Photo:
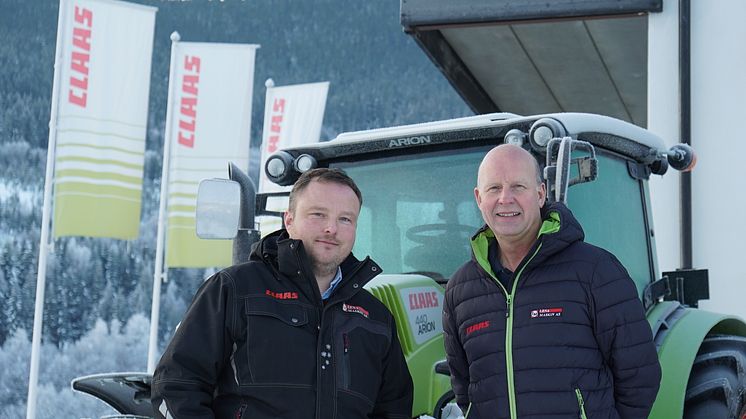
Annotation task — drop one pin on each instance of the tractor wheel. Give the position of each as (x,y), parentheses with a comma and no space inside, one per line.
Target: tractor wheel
(717,383)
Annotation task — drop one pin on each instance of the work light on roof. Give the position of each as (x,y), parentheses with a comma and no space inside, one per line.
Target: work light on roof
(304,163)
(544,130)
(278,167)
(515,137)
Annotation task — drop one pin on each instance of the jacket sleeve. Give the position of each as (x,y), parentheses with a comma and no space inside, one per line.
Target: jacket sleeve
(396,394)
(188,371)
(455,355)
(625,339)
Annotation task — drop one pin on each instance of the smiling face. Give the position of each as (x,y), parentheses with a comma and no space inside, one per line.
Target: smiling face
(324,217)
(510,196)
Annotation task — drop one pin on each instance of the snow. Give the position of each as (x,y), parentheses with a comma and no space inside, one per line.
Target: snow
(26,197)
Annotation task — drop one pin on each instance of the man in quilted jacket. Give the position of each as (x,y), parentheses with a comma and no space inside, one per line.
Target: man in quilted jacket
(540,324)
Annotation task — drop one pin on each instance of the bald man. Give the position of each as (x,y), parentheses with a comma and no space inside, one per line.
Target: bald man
(540,324)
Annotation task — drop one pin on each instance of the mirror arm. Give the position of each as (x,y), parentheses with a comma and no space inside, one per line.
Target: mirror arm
(247,234)
(248,196)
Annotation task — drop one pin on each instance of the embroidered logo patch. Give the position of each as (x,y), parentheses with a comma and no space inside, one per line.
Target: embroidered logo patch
(478,326)
(282,295)
(547,312)
(355,309)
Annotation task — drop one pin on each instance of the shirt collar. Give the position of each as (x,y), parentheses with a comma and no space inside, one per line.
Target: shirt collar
(337,279)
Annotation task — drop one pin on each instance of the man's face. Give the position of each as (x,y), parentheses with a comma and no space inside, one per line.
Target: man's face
(509,195)
(325,219)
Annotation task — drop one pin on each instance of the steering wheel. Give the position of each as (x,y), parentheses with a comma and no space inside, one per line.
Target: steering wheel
(425,233)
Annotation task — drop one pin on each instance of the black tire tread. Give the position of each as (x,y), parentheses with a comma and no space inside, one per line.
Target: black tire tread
(717,382)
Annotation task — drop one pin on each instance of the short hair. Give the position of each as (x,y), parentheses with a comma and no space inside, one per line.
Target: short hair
(322,174)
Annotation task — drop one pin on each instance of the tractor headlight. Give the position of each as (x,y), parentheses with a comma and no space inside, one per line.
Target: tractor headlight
(304,163)
(515,137)
(544,130)
(279,167)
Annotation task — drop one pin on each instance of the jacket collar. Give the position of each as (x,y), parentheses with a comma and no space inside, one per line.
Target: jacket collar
(558,230)
(289,258)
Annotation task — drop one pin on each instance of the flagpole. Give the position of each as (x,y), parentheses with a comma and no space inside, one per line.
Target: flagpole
(44,243)
(159,273)
(261,185)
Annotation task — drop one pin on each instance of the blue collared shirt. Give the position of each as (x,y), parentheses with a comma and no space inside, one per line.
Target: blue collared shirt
(337,279)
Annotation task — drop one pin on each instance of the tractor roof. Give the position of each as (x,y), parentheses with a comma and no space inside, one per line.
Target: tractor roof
(602,131)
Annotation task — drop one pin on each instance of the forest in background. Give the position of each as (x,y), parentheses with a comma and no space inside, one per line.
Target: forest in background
(98,292)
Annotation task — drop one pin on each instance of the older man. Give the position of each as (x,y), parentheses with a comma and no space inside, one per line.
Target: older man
(292,333)
(540,324)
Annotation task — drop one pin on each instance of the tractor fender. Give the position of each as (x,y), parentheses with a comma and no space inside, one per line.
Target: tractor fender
(678,332)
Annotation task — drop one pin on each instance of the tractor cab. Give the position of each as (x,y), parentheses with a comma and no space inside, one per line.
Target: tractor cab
(419,212)
(418,208)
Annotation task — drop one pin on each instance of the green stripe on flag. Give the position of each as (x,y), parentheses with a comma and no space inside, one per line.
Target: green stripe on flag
(101,161)
(90,118)
(96,216)
(183,208)
(101,147)
(98,176)
(185,250)
(88,189)
(181,221)
(101,134)
(183,195)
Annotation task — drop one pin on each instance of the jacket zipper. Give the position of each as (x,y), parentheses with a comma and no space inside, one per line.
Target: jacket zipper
(346,364)
(510,299)
(319,342)
(581,403)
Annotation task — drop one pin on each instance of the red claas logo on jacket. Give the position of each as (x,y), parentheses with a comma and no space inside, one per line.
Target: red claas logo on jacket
(282,295)
(478,326)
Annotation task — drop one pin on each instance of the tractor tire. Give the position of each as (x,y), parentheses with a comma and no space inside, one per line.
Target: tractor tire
(717,383)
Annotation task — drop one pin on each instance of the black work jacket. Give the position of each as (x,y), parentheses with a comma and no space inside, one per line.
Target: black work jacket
(569,339)
(259,342)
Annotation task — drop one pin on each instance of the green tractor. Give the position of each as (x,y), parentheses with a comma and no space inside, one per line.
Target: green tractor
(419,213)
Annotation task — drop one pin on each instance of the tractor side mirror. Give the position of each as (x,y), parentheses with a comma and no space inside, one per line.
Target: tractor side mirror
(218,209)
(559,162)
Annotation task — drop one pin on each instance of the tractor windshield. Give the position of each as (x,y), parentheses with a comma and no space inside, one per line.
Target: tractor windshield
(419,212)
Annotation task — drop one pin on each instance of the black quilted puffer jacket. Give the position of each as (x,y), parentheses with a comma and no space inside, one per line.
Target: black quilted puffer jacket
(568,340)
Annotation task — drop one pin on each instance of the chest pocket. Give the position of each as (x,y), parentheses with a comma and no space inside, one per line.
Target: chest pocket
(361,344)
(280,342)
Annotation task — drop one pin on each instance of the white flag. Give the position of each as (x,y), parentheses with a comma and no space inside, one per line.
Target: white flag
(103,88)
(210,126)
(292,116)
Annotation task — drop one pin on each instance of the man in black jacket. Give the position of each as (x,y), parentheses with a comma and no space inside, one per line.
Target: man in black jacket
(291,333)
(540,324)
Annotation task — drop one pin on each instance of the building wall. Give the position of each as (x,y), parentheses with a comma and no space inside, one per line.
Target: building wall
(718,84)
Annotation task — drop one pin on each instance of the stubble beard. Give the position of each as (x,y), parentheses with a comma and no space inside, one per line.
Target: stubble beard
(325,268)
